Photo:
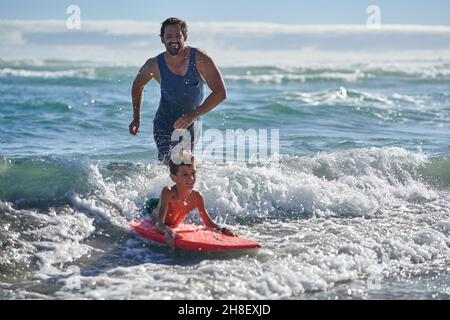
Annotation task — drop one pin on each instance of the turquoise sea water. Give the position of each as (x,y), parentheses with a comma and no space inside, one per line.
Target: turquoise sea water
(359,207)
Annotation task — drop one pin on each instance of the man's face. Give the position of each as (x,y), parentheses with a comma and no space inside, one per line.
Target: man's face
(173,39)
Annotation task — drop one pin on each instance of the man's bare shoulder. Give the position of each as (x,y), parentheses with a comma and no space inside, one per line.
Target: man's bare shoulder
(206,66)
(148,72)
(150,65)
(203,57)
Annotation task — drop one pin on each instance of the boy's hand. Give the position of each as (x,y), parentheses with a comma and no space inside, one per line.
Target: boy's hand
(227,232)
(171,236)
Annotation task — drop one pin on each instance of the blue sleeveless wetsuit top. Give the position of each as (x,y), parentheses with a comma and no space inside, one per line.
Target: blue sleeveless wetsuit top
(180,95)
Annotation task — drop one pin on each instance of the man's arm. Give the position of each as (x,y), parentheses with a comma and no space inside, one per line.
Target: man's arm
(214,80)
(143,77)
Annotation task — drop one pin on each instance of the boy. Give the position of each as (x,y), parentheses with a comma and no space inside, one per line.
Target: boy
(179,200)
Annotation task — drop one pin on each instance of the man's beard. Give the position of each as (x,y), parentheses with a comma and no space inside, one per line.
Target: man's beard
(174,50)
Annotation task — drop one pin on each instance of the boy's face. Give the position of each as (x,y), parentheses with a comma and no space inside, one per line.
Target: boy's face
(186,176)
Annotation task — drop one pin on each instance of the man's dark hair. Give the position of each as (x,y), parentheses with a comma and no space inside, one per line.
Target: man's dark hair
(174,21)
(183,159)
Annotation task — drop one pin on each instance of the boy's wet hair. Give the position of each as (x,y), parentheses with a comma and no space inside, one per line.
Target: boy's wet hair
(183,158)
(174,21)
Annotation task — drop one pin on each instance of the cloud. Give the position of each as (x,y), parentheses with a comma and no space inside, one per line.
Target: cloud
(11,38)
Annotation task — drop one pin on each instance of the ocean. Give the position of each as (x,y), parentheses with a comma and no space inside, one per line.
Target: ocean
(358,207)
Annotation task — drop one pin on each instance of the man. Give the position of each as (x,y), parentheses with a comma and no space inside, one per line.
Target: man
(182,72)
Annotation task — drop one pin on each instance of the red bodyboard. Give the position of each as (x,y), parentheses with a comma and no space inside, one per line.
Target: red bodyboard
(195,238)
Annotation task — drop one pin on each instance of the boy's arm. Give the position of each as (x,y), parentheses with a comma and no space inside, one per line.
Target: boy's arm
(169,234)
(207,219)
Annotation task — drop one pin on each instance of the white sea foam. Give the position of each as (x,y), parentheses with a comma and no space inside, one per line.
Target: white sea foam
(351,76)
(23,73)
(346,183)
(48,241)
(361,99)
(368,178)
(299,256)
(323,219)
(16,253)
(60,239)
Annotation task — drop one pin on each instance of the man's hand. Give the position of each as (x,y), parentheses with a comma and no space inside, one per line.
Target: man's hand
(184,122)
(134,126)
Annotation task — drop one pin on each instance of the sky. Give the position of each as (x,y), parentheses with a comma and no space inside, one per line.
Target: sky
(430,12)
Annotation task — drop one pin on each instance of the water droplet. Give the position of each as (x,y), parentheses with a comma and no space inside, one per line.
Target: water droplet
(92,101)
